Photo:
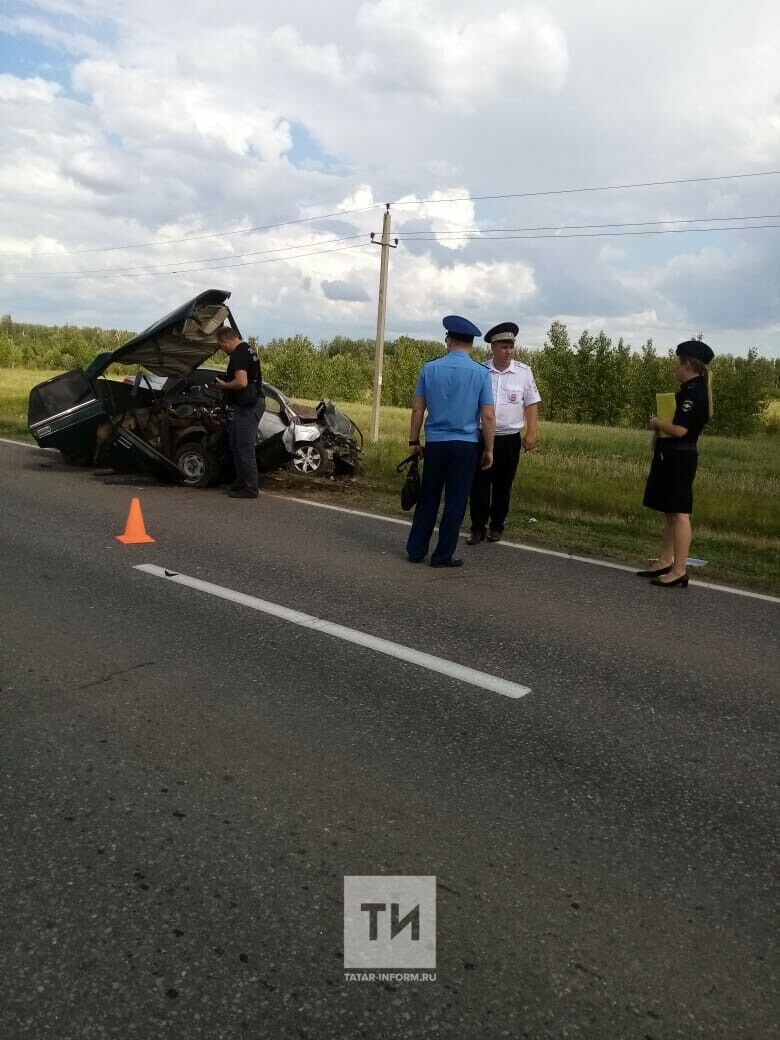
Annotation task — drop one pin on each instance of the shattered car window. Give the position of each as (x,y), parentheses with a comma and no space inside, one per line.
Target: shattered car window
(58,396)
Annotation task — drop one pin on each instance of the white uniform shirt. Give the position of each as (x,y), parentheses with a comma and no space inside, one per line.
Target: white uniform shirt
(513,390)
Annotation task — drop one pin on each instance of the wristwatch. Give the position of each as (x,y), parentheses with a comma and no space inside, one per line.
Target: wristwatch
(414,444)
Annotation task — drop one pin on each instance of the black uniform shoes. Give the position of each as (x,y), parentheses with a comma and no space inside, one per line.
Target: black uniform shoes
(480,535)
(682,582)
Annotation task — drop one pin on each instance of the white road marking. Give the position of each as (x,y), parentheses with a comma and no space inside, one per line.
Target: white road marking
(506,545)
(340,509)
(734,592)
(349,635)
(520,545)
(27,444)
(22,444)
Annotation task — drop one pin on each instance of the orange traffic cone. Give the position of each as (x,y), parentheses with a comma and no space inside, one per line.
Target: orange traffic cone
(135,532)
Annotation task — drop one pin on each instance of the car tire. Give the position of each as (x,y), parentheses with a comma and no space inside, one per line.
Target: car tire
(309,458)
(199,468)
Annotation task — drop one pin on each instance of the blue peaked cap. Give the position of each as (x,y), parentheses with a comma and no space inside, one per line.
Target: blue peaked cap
(460,328)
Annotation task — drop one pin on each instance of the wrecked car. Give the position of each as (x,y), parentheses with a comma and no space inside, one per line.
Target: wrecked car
(314,441)
(170,419)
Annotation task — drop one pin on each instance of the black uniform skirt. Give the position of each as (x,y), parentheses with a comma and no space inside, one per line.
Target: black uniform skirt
(669,486)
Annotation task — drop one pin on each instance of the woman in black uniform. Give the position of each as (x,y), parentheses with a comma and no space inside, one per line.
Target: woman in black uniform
(670,483)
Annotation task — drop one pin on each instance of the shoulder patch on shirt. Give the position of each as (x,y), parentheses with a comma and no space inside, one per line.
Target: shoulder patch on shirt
(687,406)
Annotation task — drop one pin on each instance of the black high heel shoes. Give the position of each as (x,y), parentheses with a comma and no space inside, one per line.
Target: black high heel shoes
(654,574)
(682,582)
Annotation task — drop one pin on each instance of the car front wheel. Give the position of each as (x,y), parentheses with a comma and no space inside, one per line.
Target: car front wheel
(198,467)
(309,459)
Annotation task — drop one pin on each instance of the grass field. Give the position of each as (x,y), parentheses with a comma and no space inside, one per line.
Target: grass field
(583,489)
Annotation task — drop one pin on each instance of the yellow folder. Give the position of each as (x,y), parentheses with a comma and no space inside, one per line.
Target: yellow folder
(665,407)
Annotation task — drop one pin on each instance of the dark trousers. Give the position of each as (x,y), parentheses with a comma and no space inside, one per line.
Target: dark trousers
(492,487)
(448,468)
(243,441)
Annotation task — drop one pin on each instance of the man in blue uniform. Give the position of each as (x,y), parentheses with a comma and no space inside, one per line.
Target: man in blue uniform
(457,394)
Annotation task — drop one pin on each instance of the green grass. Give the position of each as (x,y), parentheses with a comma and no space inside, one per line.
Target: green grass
(15,386)
(583,488)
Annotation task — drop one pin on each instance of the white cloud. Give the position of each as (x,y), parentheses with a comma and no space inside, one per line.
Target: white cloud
(43,30)
(611,254)
(94,170)
(438,215)
(423,291)
(701,284)
(344,291)
(15,90)
(160,110)
(170,128)
(361,197)
(318,61)
(433,49)
(12,244)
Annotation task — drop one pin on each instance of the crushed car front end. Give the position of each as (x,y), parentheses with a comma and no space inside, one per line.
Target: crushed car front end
(341,437)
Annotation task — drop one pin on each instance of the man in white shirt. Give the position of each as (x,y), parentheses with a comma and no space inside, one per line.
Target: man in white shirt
(517,422)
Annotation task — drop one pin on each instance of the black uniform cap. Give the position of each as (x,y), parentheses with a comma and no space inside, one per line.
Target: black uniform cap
(503,327)
(694,348)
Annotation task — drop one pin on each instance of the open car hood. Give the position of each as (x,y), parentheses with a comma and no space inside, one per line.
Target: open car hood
(179,342)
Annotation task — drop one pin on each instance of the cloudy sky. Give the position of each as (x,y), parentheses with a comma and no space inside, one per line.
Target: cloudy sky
(162,126)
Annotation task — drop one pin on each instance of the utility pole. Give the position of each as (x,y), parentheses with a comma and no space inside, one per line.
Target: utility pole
(379,353)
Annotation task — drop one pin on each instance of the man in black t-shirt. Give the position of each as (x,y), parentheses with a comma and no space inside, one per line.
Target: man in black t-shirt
(243,389)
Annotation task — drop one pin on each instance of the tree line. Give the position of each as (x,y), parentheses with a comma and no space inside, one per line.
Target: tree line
(593,380)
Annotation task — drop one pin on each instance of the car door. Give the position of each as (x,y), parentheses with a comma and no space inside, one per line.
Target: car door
(273,432)
(65,413)
(127,452)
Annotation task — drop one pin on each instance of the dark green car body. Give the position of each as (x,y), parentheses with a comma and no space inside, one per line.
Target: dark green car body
(91,419)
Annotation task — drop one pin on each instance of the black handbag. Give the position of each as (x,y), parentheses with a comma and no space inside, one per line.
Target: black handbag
(410,490)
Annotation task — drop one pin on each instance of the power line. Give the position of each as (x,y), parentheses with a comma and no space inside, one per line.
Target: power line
(202,260)
(277,259)
(410,237)
(407,202)
(204,270)
(200,238)
(599,234)
(577,191)
(478,232)
(464,234)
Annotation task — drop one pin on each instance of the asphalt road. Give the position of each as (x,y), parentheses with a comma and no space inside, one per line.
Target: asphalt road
(185,782)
